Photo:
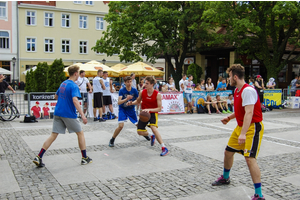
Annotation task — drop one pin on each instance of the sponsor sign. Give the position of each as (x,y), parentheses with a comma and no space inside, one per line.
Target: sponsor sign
(272,97)
(172,103)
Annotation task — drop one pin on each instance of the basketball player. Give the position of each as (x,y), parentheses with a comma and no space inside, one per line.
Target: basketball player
(151,103)
(127,93)
(246,137)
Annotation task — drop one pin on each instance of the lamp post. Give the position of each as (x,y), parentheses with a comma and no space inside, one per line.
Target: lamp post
(103,61)
(14,70)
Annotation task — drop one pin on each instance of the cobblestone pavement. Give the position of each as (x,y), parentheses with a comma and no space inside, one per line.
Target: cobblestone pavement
(40,183)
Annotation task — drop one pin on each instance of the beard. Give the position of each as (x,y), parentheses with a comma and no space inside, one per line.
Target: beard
(233,83)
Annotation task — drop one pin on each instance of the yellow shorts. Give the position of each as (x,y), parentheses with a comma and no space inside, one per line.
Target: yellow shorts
(253,140)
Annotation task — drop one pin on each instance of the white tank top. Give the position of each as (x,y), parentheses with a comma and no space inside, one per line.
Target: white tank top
(106,92)
(96,85)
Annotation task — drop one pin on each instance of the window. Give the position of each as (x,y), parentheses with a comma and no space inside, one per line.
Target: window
(98,52)
(48,19)
(30,16)
(77,2)
(89,3)
(99,23)
(4,40)
(2,9)
(48,45)
(30,44)
(82,47)
(82,21)
(65,46)
(65,20)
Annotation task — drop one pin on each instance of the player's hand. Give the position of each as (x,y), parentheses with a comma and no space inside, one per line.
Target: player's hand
(242,139)
(84,119)
(146,110)
(129,97)
(225,120)
(91,91)
(129,103)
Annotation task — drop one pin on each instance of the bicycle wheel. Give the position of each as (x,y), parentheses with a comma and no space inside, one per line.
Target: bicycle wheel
(6,112)
(15,112)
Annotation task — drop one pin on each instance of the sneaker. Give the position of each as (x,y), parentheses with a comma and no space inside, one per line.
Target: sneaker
(105,117)
(102,120)
(192,111)
(164,152)
(224,112)
(152,140)
(38,161)
(95,119)
(113,116)
(188,112)
(147,138)
(221,181)
(111,144)
(86,160)
(228,111)
(218,112)
(209,113)
(256,197)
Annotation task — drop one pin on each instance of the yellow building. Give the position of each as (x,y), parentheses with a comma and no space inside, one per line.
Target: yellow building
(60,29)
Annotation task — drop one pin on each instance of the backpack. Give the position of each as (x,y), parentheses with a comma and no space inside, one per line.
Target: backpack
(29,119)
(200,109)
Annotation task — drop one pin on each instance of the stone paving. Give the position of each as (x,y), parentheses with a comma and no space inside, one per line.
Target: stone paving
(134,170)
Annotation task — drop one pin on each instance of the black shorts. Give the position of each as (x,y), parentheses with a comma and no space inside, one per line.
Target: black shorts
(107,100)
(98,101)
(152,122)
(212,109)
(261,97)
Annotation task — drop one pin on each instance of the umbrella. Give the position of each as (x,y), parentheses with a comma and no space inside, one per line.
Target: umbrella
(4,71)
(117,67)
(27,70)
(140,69)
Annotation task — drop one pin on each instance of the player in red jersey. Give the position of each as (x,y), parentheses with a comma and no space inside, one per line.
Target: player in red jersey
(151,103)
(246,137)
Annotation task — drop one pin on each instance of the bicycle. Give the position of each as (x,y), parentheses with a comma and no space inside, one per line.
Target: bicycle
(8,110)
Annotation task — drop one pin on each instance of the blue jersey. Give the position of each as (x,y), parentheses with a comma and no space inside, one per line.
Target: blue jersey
(124,92)
(221,85)
(65,106)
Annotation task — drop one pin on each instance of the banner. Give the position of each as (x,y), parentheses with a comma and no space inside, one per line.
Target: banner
(272,97)
(172,103)
(199,97)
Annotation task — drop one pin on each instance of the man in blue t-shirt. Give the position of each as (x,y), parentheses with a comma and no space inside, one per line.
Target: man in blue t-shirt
(127,93)
(65,116)
(221,85)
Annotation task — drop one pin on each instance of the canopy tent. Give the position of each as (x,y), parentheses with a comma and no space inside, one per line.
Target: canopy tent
(140,69)
(27,70)
(118,67)
(92,67)
(4,71)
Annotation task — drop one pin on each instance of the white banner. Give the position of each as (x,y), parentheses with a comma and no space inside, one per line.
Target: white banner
(172,103)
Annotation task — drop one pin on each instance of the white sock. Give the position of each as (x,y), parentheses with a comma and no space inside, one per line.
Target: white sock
(162,145)
(150,134)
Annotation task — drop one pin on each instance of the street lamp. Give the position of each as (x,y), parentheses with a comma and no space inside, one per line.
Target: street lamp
(103,61)
(13,60)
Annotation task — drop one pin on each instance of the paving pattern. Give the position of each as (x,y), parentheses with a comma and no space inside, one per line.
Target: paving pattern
(134,170)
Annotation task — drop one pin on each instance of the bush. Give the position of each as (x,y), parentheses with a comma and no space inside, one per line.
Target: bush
(29,81)
(196,71)
(40,77)
(55,75)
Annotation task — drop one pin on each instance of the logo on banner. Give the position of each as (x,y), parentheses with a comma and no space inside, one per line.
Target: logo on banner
(174,106)
(170,97)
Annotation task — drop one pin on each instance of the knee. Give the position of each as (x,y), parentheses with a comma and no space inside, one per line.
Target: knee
(121,126)
(250,160)
(228,154)
(141,132)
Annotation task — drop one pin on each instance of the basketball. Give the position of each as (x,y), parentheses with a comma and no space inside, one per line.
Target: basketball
(144,116)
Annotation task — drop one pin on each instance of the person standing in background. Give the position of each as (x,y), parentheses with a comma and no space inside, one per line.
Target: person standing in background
(259,86)
(293,85)
(82,82)
(98,87)
(181,85)
(133,84)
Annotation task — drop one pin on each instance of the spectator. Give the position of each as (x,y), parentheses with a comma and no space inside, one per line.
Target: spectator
(229,87)
(251,81)
(259,86)
(222,105)
(82,82)
(156,85)
(298,87)
(171,84)
(209,85)
(210,106)
(230,102)
(141,85)
(222,85)
(219,80)
(188,93)
(164,87)
(133,83)
(198,87)
(293,85)
(271,84)
(181,85)
(4,85)
(202,84)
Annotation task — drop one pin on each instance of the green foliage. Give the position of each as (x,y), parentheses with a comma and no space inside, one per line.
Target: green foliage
(55,75)
(40,77)
(253,25)
(196,71)
(29,81)
(168,29)
(239,61)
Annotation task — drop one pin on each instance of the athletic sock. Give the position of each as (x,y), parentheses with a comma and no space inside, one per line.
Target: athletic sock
(226,173)
(112,140)
(162,145)
(83,153)
(42,152)
(150,134)
(257,187)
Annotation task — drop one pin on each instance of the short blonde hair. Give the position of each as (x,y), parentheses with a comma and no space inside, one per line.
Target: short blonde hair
(73,69)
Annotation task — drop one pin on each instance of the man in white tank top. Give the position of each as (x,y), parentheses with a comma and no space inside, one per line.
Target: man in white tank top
(82,81)
(98,87)
(107,96)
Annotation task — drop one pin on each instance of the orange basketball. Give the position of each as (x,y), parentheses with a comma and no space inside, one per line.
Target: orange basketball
(144,116)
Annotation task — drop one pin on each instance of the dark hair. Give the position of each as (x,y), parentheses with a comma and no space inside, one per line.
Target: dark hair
(105,72)
(190,75)
(183,75)
(127,78)
(73,69)
(207,81)
(100,70)
(198,84)
(217,96)
(81,71)
(132,74)
(229,95)
(201,80)
(223,79)
(236,69)
(150,79)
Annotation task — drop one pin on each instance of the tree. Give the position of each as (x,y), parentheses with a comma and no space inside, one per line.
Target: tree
(260,29)
(29,81)
(40,77)
(168,29)
(55,75)
(196,71)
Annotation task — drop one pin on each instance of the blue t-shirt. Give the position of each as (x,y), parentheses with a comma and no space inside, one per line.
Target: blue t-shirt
(221,85)
(65,106)
(124,92)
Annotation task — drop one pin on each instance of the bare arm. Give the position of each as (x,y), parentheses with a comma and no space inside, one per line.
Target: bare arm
(137,101)
(78,107)
(111,88)
(182,86)
(120,101)
(263,85)
(102,84)
(246,123)
(9,87)
(90,87)
(257,85)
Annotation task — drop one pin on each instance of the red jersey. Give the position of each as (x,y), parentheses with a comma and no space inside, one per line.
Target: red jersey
(239,109)
(46,111)
(149,102)
(36,111)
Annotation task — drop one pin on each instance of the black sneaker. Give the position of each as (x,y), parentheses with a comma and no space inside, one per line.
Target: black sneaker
(221,181)
(85,161)
(192,111)
(188,112)
(95,119)
(38,161)
(102,120)
(111,144)
(147,138)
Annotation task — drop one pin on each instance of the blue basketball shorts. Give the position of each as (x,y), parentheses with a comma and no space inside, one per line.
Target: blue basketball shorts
(125,114)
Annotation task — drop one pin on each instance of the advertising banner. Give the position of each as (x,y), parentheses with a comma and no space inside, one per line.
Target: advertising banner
(199,97)
(172,103)
(272,97)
